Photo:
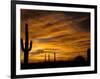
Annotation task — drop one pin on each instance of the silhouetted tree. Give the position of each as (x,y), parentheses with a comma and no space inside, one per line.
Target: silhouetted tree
(79,60)
(26,48)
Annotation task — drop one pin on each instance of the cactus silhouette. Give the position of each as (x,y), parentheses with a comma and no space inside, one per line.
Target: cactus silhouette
(45,57)
(48,58)
(88,56)
(54,57)
(25,48)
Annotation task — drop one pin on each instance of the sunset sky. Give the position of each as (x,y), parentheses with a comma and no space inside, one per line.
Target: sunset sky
(65,33)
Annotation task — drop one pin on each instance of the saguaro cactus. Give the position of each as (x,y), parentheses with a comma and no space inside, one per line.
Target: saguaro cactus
(45,57)
(48,58)
(26,48)
(88,56)
(54,57)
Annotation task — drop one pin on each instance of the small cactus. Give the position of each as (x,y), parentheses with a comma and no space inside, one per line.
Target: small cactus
(54,57)
(88,56)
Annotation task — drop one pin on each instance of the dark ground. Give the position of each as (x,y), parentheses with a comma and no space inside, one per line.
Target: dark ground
(76,63)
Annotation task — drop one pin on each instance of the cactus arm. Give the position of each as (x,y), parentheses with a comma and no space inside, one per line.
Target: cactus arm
(30,46)
(22,45)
